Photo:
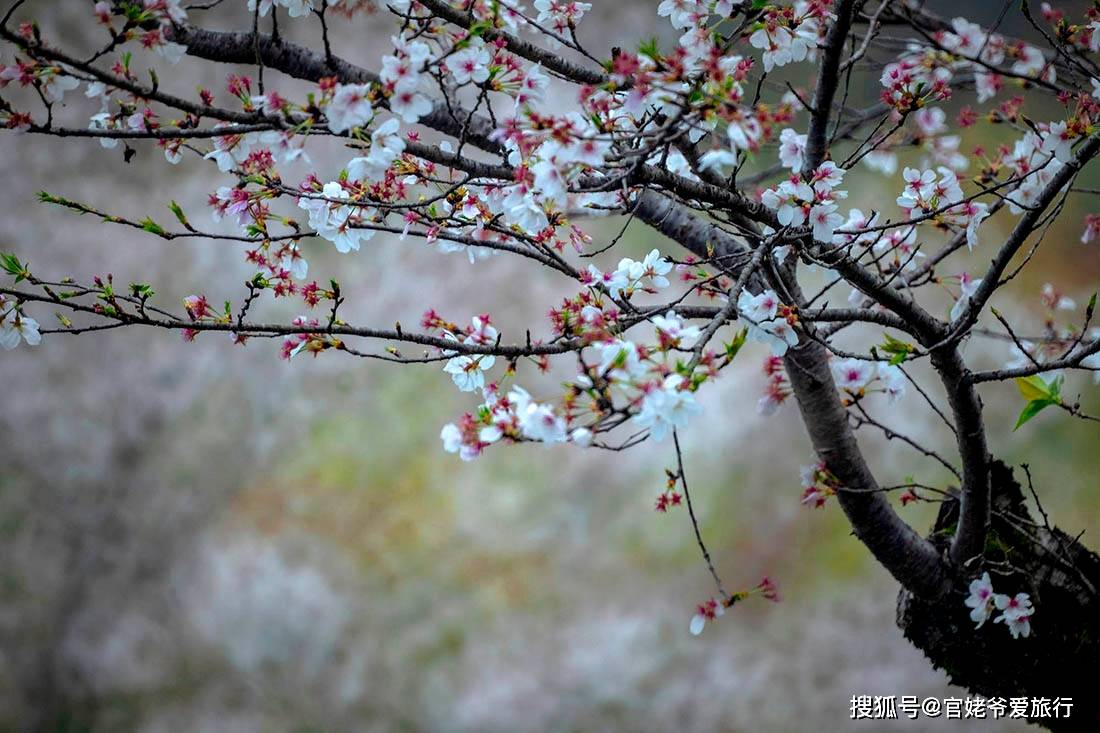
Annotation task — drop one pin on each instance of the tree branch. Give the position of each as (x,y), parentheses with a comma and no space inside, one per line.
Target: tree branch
(817,137)
(301,63)
(518,46)
(1027,224)
(912,560)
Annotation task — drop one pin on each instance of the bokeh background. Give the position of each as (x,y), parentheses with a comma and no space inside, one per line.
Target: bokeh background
(204,537)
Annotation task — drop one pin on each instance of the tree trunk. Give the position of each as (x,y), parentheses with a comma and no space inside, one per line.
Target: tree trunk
(1060,657)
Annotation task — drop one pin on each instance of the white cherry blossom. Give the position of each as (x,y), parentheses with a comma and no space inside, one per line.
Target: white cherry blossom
(667,407)
(1017,612)
(350,107)
(470,64)
(14,326)
(981,599)
(672,327)
(853,374)
(792,146)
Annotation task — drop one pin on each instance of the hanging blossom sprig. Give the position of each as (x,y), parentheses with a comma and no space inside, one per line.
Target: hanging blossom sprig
(713,609)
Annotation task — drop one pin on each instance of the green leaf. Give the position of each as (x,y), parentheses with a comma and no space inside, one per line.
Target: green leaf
(153,228)
(899,350)
(48,198)
(139,290)
(133,12)
(1056,389)
(650,47)
(1032,409)
(10,263)
(479,28)
(1039,394)
(734,346)
(892,345)
(1033,387)
(180,217)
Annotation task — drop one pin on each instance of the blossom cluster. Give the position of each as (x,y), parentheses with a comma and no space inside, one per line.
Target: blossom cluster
(1016,611)
(647,275)
(468,370)
(938,194)
(790,34)
(778,388)
(925,73)
(651,384)
(629,380)
(145,23)
(798,202)
(818,484)
(855,376)
(768,321)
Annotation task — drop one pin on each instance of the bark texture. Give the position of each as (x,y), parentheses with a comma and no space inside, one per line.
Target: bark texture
(1023,554)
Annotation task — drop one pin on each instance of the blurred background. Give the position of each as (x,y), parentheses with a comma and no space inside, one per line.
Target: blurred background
(205,537)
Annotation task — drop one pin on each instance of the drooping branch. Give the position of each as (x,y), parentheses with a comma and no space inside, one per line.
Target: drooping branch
(135,317)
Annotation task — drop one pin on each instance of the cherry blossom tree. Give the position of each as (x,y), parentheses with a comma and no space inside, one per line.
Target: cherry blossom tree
(486,128)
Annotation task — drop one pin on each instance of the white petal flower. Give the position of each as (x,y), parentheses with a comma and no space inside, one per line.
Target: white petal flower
(853,374)
(410,105)
(350,107)
(981,599)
